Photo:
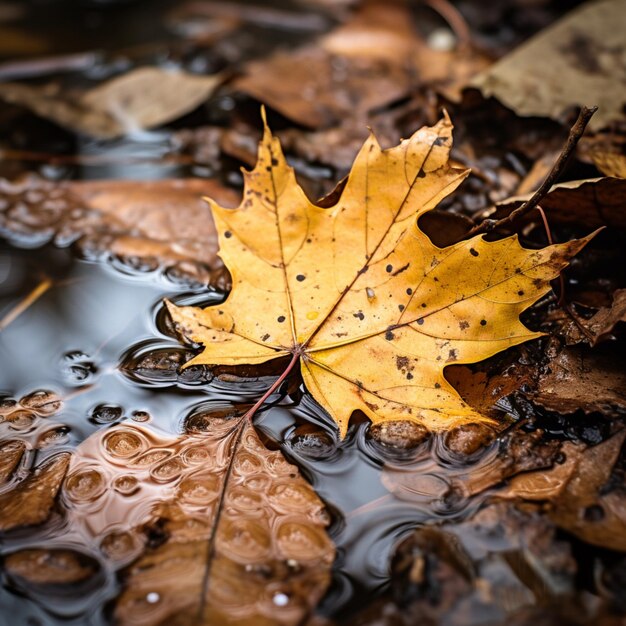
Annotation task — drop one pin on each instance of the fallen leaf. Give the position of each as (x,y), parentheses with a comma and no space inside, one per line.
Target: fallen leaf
(545,484)
(579,380)
(358,294)
(30,501)
(496,567)
(484,384)
(610,163)
(28,495)
(49,567)
(240,536)
(427,482)
(600,326)
(588,203)
(10,455)
(374,59)
(143,98)
(578,61)
(590,508)
(165,222)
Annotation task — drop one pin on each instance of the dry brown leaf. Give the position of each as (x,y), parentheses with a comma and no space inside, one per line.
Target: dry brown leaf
(581,60)
(602,324)
(591,203)
(244,536)
(371,61)
(545,484)
(600,327)
(360,297)
(143,98)
(610,163)
(504,565)
(587,507)
(49,567)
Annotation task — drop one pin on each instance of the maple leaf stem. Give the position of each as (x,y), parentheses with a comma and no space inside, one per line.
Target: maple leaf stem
(274,386)
(575,133)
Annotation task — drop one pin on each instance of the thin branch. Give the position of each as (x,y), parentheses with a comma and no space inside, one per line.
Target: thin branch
(575,133)
(25,303)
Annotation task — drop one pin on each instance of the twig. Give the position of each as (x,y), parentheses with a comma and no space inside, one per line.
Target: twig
(575,133)
(26,302)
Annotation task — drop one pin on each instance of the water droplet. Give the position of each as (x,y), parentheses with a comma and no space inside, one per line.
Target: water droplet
(126,485)
(43,402)
(77,368)
(200,489)
(21,420)
(244,499)
(311,442)
(246,463)
(168,470)
(123,443)
(120,546)
(195,454)
(280,599)
(106,414)
(302,542)
(7,405)
(85,486)
(291,496)
(244,539)
(140,416)
(53,436)
(216,420)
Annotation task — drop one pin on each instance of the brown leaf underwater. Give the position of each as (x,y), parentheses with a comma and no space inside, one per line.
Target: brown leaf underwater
(208,527)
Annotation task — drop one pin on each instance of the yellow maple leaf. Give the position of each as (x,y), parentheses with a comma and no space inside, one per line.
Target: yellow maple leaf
(358,294)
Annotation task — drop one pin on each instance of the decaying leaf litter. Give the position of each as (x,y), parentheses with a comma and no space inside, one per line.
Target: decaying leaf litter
(533,475)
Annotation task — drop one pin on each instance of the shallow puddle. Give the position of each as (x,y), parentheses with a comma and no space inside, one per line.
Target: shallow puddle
(93,334)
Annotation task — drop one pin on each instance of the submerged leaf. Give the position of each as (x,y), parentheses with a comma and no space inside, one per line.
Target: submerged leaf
(225,530)
(372,307)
